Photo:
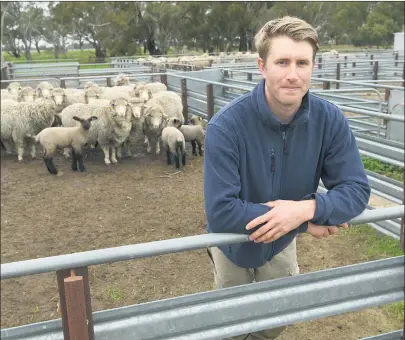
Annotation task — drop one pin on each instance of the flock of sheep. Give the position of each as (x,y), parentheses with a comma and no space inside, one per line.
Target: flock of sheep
(108,117)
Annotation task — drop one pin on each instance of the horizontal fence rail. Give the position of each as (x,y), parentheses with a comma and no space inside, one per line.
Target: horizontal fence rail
(243,309)
(396,335)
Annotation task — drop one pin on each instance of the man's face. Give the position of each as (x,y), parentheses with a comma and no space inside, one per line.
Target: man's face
(288,70)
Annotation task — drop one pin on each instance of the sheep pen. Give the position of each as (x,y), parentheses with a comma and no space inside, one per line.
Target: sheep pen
(139,200)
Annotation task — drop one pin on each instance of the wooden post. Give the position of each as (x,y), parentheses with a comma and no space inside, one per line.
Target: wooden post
(71,289)
(396,59)
(320,62)
(184,100)
(163,79)
(353,65)
(338,75)
(63,83)
(210,101)
(345,61)
(249,77)
(109,83)
(386,98)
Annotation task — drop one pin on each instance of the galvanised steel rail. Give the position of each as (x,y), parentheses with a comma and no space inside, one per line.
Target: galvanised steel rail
(243,309)
(130,252)
(396,335)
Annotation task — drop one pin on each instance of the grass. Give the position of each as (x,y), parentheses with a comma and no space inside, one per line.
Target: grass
(391,171)
(114,293)
(375,246)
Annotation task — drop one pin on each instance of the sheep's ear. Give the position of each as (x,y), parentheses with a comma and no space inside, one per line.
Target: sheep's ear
(93,118)
(77,118)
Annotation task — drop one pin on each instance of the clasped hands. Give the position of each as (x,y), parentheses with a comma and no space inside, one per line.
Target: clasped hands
(285,216)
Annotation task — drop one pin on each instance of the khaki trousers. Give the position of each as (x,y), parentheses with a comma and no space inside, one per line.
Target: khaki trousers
(227,274)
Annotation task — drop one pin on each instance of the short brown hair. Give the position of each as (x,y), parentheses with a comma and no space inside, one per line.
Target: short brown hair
(292,27)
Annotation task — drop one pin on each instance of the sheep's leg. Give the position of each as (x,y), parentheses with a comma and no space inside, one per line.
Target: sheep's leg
(8,145)
(48,159)
(74,160)
(127,148)
(158,146)
(113,158)
(79,159)
(33,151)
(146,142)
(20,151)
(106,150)
(183,157)
(193,144)
(148,146)
(118,151)
(169,156)
(199,147)
(177,160)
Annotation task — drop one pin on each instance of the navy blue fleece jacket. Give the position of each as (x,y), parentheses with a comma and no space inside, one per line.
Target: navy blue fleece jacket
(251,158)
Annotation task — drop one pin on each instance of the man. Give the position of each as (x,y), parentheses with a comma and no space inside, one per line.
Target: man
(265,153)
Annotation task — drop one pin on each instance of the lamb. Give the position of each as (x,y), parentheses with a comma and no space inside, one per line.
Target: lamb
(110,130)
(192,133)
(13,88)
(26,94)
(44,89)
(174,143)
(61,137)
(23,120)
(154,121)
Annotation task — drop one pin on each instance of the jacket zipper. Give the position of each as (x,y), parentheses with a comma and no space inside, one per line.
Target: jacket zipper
(273,169)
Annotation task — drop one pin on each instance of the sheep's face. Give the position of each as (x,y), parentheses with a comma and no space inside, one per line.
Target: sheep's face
(14,89)
(136,109)
(91,95)
(175,122)
(85,122)
(27,95)
(122,108)
(142,93)
(154,117)
(59,98)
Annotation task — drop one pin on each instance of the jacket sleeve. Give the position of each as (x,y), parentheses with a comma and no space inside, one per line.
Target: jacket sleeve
(225,211)
(343,176)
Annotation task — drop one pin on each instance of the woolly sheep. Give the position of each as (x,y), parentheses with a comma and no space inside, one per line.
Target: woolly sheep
(27,94)
(174,143)
(106,93)
(44,89)
(121,80)
(66,97)
(5,95)
(61,137)
(13,88)
(192,133)
(153,123)
(141,90)
(110,130)
(24,120)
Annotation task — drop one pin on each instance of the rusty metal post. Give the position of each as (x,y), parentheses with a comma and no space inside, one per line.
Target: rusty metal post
(249,77)
(319,62)
(386,98)
(210,101)
(326,85)
(163,79)
(80,292)
(338,75)
(184,100)
(63,83)
(375,71)
(371,58)
(345,61)
(354,65)
(396,59)
(109,82)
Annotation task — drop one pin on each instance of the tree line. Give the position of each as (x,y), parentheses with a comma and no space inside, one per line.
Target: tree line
(129,28)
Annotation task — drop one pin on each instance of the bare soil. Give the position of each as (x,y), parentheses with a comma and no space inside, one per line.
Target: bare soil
(135,201)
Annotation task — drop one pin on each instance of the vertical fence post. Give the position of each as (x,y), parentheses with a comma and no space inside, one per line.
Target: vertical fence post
(326,85)
(338,75)
(396,59)
(386,98)
(375,71)
(75,304)
(163,79)
(63,83)
(249,77)
(319,62)
(109,82)
(184,99)
(210,101)
(354,66)
(345,61)
(371,58)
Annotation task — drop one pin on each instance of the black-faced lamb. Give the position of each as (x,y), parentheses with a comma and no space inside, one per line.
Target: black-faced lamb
(174,143)
(75,138)
(194,134)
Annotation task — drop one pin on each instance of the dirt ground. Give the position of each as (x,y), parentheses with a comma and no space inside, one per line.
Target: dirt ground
(134,201)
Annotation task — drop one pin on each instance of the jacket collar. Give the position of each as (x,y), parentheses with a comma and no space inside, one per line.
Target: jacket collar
(268,117)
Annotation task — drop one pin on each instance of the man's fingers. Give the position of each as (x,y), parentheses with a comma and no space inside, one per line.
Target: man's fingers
(258,220)
(344,225)
(274,238)
(269,236)
(262,230)
(332,230)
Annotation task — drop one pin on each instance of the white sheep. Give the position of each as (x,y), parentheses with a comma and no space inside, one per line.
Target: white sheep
(174,143)
(154,121)
(62,137)
(13,88)
(110,130)
(44,89)
(23,120)
(145,91)
(66,97)
(194,134)
(121,80)
(27,94)
(105,93)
